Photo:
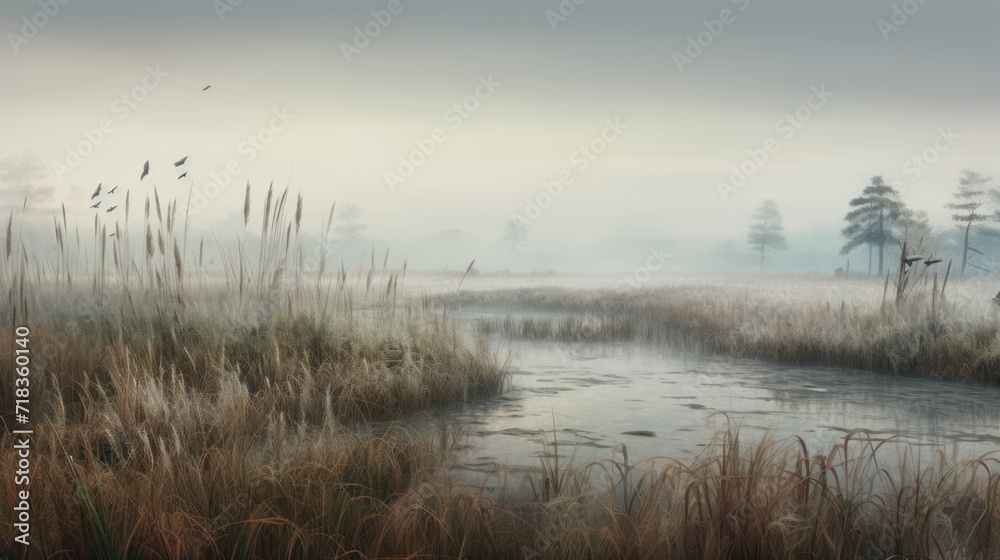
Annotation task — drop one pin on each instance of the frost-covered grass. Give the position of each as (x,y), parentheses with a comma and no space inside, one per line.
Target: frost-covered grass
(178,415)
(182,416)
(855,324)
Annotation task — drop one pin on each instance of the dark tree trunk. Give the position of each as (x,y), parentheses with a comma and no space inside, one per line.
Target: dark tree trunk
(965,247)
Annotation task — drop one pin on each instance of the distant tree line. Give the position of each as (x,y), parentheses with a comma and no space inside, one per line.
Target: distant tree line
(880,222)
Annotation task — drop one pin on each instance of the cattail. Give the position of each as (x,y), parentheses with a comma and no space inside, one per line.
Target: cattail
(201,248)
(177,262)
(127,193)
(159,241)
(267,209)
(156,198)
(147,207)
(298,214)
(8,241)
(246,206)
(149,242)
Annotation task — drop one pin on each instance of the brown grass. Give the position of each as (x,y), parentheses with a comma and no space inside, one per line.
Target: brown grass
(957,337)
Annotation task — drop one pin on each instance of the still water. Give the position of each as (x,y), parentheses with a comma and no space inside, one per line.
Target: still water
(665,403)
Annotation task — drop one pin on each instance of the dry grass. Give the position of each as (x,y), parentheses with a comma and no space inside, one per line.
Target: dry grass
(811,323)
(863,499)
(181,417)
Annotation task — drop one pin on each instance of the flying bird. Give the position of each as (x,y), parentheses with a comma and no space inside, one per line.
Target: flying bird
(112,191)
(145,170)
(181,162)
(96,205)
(205,88)
(112,208)
(183,175)
(97,192)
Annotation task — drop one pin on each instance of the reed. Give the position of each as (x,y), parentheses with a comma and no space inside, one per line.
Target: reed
(184,419)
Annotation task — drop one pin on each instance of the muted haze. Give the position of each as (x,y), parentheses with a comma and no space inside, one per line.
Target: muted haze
(554,85)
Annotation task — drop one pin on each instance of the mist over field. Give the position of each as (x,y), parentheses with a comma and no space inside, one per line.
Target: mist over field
(442,121)
(500,279)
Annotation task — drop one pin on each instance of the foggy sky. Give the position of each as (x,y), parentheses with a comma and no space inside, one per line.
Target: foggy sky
(557,89)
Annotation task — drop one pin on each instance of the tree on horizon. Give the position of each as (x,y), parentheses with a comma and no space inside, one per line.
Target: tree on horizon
(516,233)
(972,195)
(872,221)
(767,231)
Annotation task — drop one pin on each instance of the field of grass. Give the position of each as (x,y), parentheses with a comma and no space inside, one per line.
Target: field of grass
(263,415)
(853,324)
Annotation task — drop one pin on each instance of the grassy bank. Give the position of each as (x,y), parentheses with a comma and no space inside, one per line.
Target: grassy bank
(252,414)
(813,323)
(181,412)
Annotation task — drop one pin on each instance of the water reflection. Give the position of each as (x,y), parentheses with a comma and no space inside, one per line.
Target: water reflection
(589,398)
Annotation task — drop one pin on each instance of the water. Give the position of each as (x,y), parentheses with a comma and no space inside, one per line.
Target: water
(661,402)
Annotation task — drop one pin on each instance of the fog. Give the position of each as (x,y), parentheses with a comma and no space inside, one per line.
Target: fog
(614,132)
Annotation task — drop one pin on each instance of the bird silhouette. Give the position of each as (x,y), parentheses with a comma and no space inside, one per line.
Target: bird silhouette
(112,208)
(205,88)
(112,191)
(145,170)
(181,162)
(96,205)
(183,175)
(97,192)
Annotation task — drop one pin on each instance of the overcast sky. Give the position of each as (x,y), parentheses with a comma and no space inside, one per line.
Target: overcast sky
(547,84)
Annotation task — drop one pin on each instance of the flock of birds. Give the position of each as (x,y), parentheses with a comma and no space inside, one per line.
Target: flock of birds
(145,172)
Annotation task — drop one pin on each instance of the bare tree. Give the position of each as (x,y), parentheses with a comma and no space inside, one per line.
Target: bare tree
(972,195)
